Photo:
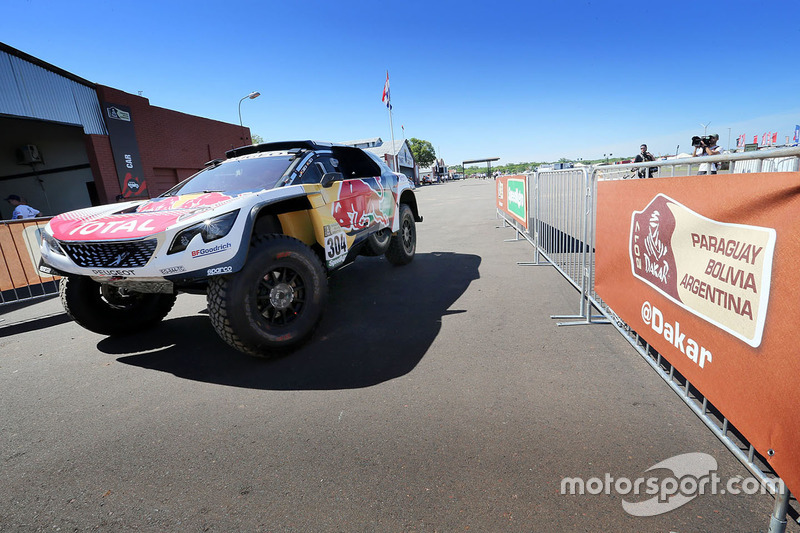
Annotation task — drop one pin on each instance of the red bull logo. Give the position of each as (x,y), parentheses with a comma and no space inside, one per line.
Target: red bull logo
(359,205)
(187,201)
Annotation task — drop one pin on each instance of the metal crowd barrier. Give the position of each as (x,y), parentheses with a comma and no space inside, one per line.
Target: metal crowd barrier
(20,278)
(561,227)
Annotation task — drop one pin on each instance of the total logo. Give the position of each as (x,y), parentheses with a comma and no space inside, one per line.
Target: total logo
(114,226)
(213,250)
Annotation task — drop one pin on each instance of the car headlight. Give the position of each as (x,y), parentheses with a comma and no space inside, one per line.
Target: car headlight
(53,244)
(210,230)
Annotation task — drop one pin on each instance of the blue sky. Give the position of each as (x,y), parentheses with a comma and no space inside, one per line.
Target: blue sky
(523,81)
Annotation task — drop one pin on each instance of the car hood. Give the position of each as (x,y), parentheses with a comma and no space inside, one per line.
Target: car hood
(134,220)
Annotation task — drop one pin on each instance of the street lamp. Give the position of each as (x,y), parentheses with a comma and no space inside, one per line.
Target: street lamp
(252,95)
(705,127)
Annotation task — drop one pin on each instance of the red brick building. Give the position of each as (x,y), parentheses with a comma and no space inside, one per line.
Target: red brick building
(60,149)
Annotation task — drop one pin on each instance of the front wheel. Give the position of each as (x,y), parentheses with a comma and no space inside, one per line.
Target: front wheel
(111,310)
(275,302)
(403,245)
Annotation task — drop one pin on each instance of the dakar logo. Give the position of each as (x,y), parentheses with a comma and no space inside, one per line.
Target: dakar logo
(118,114)
(719,271)
(655,250)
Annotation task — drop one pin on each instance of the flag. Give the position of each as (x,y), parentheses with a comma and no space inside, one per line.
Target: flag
(796,133)
(764,139)
(775,138)
(386,98)
(740,141)
(755,138)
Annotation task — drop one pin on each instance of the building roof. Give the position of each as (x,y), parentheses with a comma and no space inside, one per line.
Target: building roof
(374,141)
(382,148)
(388,148)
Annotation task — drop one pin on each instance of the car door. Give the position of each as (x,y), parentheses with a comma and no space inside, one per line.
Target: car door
(359,208)
(338,208)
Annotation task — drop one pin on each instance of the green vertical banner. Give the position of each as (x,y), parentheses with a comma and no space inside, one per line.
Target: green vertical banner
(512,197)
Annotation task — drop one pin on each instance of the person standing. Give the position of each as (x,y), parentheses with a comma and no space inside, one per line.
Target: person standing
(708,148)
(21,210)
(643,156)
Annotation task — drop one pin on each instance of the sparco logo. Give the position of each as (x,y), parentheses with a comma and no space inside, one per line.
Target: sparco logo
(220,270)
(213,250)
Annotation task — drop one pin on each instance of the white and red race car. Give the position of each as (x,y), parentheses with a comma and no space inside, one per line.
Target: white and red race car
(257,232)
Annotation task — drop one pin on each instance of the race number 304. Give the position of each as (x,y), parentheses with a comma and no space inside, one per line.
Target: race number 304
(335,246)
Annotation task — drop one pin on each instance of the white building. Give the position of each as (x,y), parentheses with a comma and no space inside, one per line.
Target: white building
(387,151)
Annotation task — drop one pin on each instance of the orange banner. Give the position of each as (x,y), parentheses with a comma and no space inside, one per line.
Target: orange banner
(19,258)
(704,268)
(512,197)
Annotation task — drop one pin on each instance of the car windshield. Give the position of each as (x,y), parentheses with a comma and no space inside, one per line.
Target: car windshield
(244,175)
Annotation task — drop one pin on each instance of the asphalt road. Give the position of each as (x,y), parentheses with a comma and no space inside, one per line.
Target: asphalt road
(438,396)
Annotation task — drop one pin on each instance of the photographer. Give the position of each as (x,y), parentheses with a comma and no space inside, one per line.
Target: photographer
(707,146)
(643,156)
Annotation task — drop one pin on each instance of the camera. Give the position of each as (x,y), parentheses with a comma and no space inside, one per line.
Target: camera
(708,140)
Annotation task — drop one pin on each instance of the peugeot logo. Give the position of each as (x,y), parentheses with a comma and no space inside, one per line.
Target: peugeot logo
(119,259)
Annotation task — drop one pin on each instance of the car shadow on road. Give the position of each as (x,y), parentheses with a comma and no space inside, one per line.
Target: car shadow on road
(379,322)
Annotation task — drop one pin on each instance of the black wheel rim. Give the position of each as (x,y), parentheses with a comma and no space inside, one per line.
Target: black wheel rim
(383,236)
(118,298)
(408,235)
(281,296)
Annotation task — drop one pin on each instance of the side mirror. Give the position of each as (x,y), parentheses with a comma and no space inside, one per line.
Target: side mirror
(330,177)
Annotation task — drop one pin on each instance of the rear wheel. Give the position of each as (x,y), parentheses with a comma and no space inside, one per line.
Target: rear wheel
(403,244)
(377,242)
(111,310)
(275,302)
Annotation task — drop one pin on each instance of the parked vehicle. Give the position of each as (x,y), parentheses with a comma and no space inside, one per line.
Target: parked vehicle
(257,232)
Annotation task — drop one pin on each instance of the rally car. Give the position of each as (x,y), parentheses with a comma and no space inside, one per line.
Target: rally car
(258,232)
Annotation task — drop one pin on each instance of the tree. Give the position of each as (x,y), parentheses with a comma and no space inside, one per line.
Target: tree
(257,139)
(422,151)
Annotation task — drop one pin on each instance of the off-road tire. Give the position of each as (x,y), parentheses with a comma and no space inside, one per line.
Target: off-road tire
(377,243)
(275,302)
(110,310)
(403,245)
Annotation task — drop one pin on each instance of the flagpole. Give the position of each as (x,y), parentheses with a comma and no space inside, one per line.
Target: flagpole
(391,127)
